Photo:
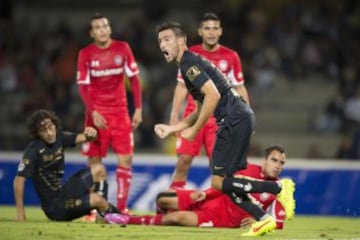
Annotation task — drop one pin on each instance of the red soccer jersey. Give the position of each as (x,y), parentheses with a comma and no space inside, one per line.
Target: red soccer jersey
(103,70)
(266,201)
(254,171)
(227,60)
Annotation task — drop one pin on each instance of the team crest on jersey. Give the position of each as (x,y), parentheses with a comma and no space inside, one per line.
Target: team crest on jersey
(192,73)
(223,65)
(118,60)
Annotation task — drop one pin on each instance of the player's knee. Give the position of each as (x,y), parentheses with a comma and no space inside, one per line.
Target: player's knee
(175,218)
(185,160)
(98,171)
(97,201)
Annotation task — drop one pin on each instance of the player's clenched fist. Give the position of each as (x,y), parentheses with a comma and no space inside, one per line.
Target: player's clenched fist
(90,133)
(162,130)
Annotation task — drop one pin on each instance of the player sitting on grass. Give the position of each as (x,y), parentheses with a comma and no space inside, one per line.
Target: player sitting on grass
(206,209)
(43,161)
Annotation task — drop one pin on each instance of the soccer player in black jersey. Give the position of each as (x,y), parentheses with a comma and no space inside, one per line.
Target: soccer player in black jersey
(235,119)
(43,161)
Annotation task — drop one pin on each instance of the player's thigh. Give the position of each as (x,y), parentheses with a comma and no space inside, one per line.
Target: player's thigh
(78,184)
(98,147)
(182,218)
(192,148)
(231,147)
(68,208)
(122,138)
(241,136)
(220,156)
(209,137)
(184,200)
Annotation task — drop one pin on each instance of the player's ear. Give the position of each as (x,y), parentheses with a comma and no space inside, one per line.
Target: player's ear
(199,32)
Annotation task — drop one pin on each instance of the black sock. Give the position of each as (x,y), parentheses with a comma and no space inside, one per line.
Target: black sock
(243,186)
(101,188)
(245,203)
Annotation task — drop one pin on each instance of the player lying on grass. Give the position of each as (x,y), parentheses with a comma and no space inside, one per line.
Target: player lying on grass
(212,208)
(43,161)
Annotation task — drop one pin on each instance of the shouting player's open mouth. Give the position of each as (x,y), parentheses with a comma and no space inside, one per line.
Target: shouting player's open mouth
(166,55)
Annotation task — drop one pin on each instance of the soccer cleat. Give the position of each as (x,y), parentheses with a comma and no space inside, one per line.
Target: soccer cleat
(91,217)
(286,197)
(261,227)
(117,218)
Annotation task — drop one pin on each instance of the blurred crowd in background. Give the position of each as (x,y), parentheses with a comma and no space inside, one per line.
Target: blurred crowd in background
(296,40)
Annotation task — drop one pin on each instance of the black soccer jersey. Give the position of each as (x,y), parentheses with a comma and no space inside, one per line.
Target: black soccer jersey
(45,165)
(196,71)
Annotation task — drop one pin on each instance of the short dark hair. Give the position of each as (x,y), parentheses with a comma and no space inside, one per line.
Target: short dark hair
(96,16)
(35,119)
(276,147)
(209,16)
(174,26)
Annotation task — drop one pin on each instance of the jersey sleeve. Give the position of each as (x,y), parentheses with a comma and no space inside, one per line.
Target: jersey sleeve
(131,67)
(235,75)
(27,164)
(82,73)
(195,74)
(68,139)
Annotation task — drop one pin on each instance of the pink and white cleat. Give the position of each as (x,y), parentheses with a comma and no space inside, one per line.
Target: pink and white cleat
(117,218)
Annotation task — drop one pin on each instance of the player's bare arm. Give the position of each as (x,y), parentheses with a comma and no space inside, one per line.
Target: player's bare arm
(89,134)
(241,90)
(137,118)
(180,93)
(211,99)
(19,186)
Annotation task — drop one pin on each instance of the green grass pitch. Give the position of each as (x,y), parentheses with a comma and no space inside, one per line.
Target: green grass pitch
(39,228)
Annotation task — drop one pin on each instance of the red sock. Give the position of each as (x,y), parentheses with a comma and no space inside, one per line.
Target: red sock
(146,220)
(178,184)
(123,179)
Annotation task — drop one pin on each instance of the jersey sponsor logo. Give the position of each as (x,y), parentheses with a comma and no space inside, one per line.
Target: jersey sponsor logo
(192,73)
(223,65)
(118,60)
(106,72)
(95,63)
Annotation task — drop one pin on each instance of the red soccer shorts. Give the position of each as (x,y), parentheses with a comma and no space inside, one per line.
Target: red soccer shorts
(118,135)
(206,137)
(217,212)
